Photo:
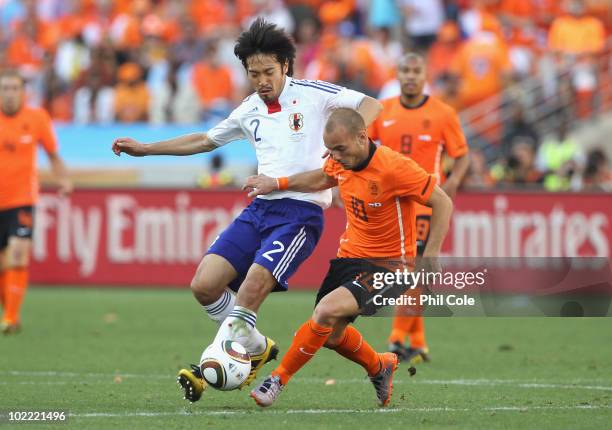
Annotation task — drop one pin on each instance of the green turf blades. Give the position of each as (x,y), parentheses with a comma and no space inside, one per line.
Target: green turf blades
(110,357)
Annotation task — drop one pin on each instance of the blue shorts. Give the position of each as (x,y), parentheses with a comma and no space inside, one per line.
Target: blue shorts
(276,234)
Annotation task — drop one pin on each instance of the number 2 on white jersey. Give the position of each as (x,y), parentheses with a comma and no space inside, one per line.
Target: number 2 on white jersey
(280,248)
(257,139)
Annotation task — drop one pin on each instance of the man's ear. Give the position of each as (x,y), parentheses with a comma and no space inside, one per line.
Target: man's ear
(285,67)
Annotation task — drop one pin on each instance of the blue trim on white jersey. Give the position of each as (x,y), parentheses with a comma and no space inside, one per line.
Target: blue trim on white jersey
(327,90)
(320,83)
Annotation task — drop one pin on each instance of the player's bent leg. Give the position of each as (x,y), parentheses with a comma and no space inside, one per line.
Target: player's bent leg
(309,338)
(335,306)
(213,275)
(209,287)
(240,325)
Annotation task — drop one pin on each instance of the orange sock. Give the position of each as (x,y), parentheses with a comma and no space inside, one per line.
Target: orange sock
(417,333)
(309,338)
(355,348)
(401,328)
(2,286)
(16,283)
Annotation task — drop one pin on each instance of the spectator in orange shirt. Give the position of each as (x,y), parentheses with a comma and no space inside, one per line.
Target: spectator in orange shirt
(483,67)
(131,95)
(23,129)
(213,82)
(441,55)
(576,33)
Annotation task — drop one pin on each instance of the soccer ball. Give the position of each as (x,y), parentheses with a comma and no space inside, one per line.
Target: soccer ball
(225,365)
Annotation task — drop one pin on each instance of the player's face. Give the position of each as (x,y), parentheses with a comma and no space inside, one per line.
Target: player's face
(349,151)
(411,76)
(267,76)
(11,94)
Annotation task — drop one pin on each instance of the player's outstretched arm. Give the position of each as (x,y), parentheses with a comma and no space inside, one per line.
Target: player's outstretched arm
(187,144)
(307,182)
(369,108)
(441,209)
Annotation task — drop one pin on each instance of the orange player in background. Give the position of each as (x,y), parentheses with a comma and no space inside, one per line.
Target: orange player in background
(379,188)
(421,127)
(23,129)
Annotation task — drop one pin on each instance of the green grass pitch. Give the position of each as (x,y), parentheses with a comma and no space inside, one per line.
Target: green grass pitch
(110,357)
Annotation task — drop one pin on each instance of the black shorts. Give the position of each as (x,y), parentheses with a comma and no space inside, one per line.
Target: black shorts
(358,276)
(18,222)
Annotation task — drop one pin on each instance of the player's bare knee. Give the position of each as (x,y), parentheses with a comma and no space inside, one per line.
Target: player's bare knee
(325,314)
(18,255)
(205,290)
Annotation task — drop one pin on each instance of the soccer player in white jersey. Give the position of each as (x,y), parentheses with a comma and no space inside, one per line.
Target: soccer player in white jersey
(284,121)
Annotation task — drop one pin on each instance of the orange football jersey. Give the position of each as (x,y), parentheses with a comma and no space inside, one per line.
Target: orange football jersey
(422,133)
(21,135)
(380,204)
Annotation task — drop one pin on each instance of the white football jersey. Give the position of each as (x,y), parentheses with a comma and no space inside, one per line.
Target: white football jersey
(288,136)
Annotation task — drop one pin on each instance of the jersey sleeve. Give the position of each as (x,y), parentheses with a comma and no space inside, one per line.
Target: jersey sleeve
(332,168)
(344,98)
(454,139)
(227,130)
(47,137)
(411,180)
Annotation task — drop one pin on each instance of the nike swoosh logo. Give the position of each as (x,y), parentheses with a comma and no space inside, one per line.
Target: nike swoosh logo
(306,352)
(359,285)
(388,123)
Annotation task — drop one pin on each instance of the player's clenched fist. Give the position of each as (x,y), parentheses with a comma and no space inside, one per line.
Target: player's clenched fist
(260,185)
(129,146)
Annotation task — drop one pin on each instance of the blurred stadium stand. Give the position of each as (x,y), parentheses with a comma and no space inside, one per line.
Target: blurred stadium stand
(519,72)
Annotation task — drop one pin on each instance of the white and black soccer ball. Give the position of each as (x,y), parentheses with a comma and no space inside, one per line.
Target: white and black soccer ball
(225,365)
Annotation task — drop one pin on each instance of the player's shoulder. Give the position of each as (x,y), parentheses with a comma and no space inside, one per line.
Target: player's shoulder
(36,115)
(393,160)
(315,87)
(248,105)
(438,104)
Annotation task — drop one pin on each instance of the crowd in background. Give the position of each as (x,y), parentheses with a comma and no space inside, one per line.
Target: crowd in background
(172,61)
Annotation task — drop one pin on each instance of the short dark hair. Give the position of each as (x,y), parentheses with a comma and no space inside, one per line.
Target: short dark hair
(348,118)
(11,73)
(265,38)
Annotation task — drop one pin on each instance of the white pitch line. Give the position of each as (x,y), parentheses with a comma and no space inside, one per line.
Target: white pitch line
(335,411)
(568,385)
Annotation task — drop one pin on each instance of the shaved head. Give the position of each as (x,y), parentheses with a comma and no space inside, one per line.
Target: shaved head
(349,119)
(346,138)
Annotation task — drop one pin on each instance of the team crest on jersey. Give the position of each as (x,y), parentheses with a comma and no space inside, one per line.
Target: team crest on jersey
(296,121)
(373,187)
(426,123)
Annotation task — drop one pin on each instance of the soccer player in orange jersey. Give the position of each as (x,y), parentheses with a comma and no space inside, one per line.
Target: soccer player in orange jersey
(379,188)
(421,127)
(23,129)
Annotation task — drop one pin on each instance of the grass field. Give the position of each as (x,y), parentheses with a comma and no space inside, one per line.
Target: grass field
(110,356)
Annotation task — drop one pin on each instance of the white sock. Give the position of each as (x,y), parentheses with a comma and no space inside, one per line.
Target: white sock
(220,309)
(239,326)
